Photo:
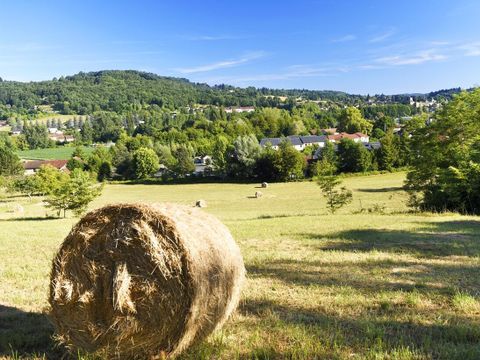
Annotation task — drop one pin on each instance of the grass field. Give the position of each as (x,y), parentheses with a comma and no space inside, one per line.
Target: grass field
(58,153)
(385,284)
(43,118)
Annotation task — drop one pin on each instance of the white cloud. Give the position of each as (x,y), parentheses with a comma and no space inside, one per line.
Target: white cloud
(382,37)
(471,49)
(411,59)
(222,64)
(290,72)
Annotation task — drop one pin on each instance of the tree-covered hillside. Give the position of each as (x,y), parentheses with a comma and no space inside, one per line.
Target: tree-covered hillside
(120,91)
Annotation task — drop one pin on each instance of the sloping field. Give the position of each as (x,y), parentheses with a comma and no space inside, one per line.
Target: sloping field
(59,153)
(362,284)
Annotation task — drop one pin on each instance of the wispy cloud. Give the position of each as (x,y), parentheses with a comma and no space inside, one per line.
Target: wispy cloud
(382,37)
(287,73)
(223,64)
(346,38)
(412,59)
(471,49)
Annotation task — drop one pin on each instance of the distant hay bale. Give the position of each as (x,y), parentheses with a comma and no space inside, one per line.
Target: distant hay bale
(140,281)
(264,185)
(17,209)
(201,204)
(258,194)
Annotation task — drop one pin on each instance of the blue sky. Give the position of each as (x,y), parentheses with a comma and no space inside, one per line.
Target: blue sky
(354,46)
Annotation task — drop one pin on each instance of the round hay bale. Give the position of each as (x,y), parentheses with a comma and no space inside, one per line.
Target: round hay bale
(139,281)
(17,209)
(258,194)
(201,204)
(264,185)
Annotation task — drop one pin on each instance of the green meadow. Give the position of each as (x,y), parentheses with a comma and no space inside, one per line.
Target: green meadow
(374,281)
(58,153)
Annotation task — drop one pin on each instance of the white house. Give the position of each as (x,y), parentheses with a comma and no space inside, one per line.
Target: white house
(240,109)
(298,142)
(203,165)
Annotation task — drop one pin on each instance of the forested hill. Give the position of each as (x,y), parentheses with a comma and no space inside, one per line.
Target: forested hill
(118,91)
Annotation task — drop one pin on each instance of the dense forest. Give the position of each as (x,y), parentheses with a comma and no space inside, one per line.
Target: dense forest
(121,91)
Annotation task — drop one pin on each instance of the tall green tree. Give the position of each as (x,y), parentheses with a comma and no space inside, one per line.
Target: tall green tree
(36,136)
(219,154)
(145,163)
(353,157)
(352,121)
(290,163)
(445,159)
(266,165)
(387,154)
(184,164)
(246,150)
(9,162)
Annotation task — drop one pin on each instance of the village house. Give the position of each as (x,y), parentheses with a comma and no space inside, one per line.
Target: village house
(356,137)
(240,109)
(203,165)
(31,167)
(61,138)
(297,141)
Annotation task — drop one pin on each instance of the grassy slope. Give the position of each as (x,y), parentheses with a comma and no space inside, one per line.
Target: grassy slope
(345,286)
(59,153)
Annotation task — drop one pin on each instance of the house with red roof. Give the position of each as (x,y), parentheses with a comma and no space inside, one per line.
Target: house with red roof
(32,166)
(356,137)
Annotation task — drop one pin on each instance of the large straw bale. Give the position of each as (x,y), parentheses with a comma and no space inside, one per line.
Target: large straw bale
(138,281)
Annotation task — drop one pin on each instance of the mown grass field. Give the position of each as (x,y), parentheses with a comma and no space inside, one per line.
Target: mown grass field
(355,285)
(43,118)
(58,153)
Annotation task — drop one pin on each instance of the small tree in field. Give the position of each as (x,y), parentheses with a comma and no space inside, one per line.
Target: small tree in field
(329,183)
(73,193)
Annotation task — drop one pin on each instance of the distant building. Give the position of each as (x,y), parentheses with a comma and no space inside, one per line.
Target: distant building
(356,137)
(203,165)
(297,141)
(31,167)
(240,109)
(61,138)
(310,140)
(273,142)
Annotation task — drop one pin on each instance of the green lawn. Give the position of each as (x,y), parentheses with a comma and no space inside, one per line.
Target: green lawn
(356,285)
(58,153)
